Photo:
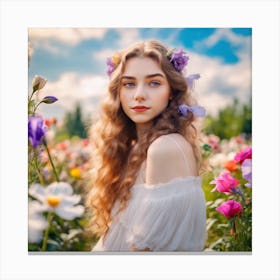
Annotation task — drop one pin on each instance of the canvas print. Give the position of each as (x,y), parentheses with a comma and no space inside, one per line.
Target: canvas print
(140,140)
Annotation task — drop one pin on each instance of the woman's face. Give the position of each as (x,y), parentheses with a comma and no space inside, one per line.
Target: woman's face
(144,91)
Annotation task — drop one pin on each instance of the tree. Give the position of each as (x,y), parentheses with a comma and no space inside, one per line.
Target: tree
(231,121)
(74,124)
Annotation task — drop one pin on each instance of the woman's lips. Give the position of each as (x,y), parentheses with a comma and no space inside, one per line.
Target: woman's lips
(140,108)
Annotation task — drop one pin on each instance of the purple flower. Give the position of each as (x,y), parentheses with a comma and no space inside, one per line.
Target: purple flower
(36,130)
(49,99)
(190,80)
(179,59)
(198,111)
(112,63)
(246,168)
(110,66)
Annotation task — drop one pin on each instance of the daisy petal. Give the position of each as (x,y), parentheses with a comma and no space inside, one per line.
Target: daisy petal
(70,213)
(38,192)
(57,188)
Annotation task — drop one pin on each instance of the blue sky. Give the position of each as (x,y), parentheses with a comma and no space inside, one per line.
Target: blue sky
(73,60)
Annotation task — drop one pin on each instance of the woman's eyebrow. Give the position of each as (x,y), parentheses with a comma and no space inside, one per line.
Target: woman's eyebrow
(128,77)
(148,76)
(155,75)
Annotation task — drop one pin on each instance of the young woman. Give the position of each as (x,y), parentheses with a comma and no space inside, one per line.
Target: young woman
(146,191)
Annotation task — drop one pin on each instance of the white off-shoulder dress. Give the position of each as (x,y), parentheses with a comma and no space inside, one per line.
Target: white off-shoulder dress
(162,217)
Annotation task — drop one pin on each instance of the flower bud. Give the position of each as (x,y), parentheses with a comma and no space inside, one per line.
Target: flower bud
(49,99)
(38,83)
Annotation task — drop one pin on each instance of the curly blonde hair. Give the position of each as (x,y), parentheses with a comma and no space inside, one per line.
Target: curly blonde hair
(118,154)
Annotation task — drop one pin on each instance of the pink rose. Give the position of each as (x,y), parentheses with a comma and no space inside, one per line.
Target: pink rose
(245,154)
(230,208)
(224,183)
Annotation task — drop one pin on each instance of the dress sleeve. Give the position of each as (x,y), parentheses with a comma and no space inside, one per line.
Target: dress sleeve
(167,217)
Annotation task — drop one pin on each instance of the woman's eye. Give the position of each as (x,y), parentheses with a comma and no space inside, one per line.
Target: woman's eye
(129,84)
(155,83)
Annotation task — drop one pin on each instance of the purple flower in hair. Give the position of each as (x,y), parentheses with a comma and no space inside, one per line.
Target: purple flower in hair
(112,63)
(178,58)
(198,111)
(190,80)
(110,66)
(36,130)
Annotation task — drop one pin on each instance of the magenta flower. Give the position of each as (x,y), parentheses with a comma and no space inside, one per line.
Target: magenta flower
(179,59)
(230,208)
(225,183)
(49,99)
(246,168)
(36,130)
(245,154)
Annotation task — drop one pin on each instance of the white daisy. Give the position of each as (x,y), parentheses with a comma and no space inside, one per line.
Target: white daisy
(36,222)
(58,197)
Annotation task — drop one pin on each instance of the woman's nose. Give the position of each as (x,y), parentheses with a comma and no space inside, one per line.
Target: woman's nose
(140,93)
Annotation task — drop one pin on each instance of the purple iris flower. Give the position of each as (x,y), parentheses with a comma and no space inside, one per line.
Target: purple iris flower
(246,168)
(179,59)
(36,130)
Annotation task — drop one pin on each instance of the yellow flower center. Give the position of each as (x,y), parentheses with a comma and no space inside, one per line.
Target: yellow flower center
(75,172)
(53,201)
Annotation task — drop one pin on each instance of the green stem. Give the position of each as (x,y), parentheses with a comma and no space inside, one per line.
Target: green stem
(50,158)
(46,235)
(33,91)
(35,108)
(234,226)
(41,179)
(243,199)
(29,99)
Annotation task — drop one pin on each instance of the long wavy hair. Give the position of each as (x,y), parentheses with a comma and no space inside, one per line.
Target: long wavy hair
(117,153)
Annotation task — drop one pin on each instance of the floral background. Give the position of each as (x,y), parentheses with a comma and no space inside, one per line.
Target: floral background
(58,161)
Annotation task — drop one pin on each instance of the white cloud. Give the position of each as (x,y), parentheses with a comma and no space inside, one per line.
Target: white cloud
(102,55)
(219,82)
(214,101)
(242,44)
(223,33)
(71,88)
(127,36)
(71,36)
(51,48)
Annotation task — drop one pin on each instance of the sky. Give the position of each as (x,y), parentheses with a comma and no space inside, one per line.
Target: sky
(73,60)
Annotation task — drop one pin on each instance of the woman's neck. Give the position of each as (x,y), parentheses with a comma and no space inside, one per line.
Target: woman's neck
(141,128)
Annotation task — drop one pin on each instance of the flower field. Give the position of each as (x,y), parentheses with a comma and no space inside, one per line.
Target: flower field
(227,186)
(57,178)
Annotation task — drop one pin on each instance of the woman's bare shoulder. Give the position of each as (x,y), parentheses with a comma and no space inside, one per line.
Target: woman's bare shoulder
(169,143)
(168,157)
